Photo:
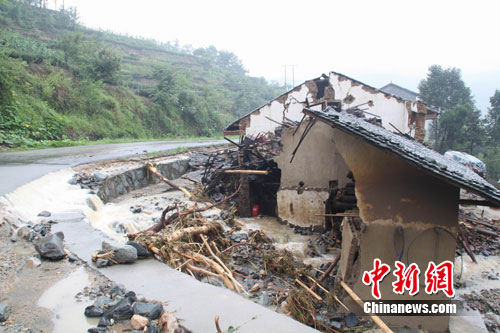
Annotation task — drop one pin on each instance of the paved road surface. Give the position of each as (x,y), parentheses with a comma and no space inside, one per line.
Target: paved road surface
(18,168)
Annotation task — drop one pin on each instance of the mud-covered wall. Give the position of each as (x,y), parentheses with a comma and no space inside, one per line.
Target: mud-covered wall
(397,200)
(305,182)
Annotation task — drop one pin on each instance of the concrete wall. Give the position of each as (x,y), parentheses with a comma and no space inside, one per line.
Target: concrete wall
(316,163)
(392,193)
(122,183)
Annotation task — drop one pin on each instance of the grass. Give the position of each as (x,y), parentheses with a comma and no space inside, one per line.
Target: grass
(69,143)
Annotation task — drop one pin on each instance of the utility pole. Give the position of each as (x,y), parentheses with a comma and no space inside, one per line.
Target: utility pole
(285,75)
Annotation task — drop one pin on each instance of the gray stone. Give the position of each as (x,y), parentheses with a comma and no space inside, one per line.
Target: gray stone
(351,320)
(51,247)
(105,322)
(97,330)
(44,213)
(93,311)
(150,310)
(152,328)
(103,302)
(4,312)
(100,263)
(335,325)
(141,250)
(99,176)
(120,311)
(73,181)
(122,254)
(24,232)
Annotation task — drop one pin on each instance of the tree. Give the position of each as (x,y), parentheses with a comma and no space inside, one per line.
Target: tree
(458,125)
(493,120)
(106,66)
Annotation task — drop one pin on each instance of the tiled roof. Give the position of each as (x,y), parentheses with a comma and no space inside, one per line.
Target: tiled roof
(411,151)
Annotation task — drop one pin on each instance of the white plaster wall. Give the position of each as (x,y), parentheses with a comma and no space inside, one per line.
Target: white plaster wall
(390,109)
(276,111)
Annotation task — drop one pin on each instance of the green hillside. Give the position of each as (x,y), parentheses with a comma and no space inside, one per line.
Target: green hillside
(60,80)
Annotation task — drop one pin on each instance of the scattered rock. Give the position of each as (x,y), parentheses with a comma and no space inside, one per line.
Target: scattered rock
(105,322)
(120,311)
(51,247)
(103,302)
(44,213)
(100,263)
(168,323)
(116,291)
(4,312)
(92,311)
(335,325)
(152,328)
(32,262)
(97,330)
(142,252)
(255,288)
(150,310)
(351,320)
(131,297)
(138,322)
(25,233)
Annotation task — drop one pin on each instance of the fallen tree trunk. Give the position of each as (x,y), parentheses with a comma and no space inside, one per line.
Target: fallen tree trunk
(191,231)
(248,172)
(154,171)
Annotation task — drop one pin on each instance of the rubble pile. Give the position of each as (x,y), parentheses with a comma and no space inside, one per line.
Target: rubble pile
(114,305)
(478,235)
(486,302)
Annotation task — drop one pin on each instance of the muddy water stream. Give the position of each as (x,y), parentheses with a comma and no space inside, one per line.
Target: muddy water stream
(285,238)
(67,312)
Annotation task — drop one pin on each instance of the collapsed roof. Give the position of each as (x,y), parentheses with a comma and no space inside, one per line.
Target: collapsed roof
(411,151)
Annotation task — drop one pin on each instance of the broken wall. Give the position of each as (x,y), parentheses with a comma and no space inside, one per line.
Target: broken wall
(315,94)
(391,109)
(305,182)
(396,200)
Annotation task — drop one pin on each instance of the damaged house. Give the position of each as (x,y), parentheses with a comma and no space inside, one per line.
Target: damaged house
(382,194)
(302,196)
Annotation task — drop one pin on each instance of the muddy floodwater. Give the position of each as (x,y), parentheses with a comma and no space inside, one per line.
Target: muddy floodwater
(67,311)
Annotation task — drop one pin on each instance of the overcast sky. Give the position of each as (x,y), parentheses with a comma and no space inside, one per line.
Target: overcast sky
(373,41)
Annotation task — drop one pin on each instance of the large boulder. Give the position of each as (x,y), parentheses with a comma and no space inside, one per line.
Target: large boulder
(51,247)
(122,254)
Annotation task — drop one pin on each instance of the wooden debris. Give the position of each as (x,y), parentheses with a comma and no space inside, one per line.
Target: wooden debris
(328,271)
(248,172)
(313,294)
(376,319)
(154,171)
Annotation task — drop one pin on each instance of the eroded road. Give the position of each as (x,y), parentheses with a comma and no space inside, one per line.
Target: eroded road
(18,168)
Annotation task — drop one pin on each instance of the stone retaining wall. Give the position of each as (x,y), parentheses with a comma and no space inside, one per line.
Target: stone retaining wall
(133,179)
